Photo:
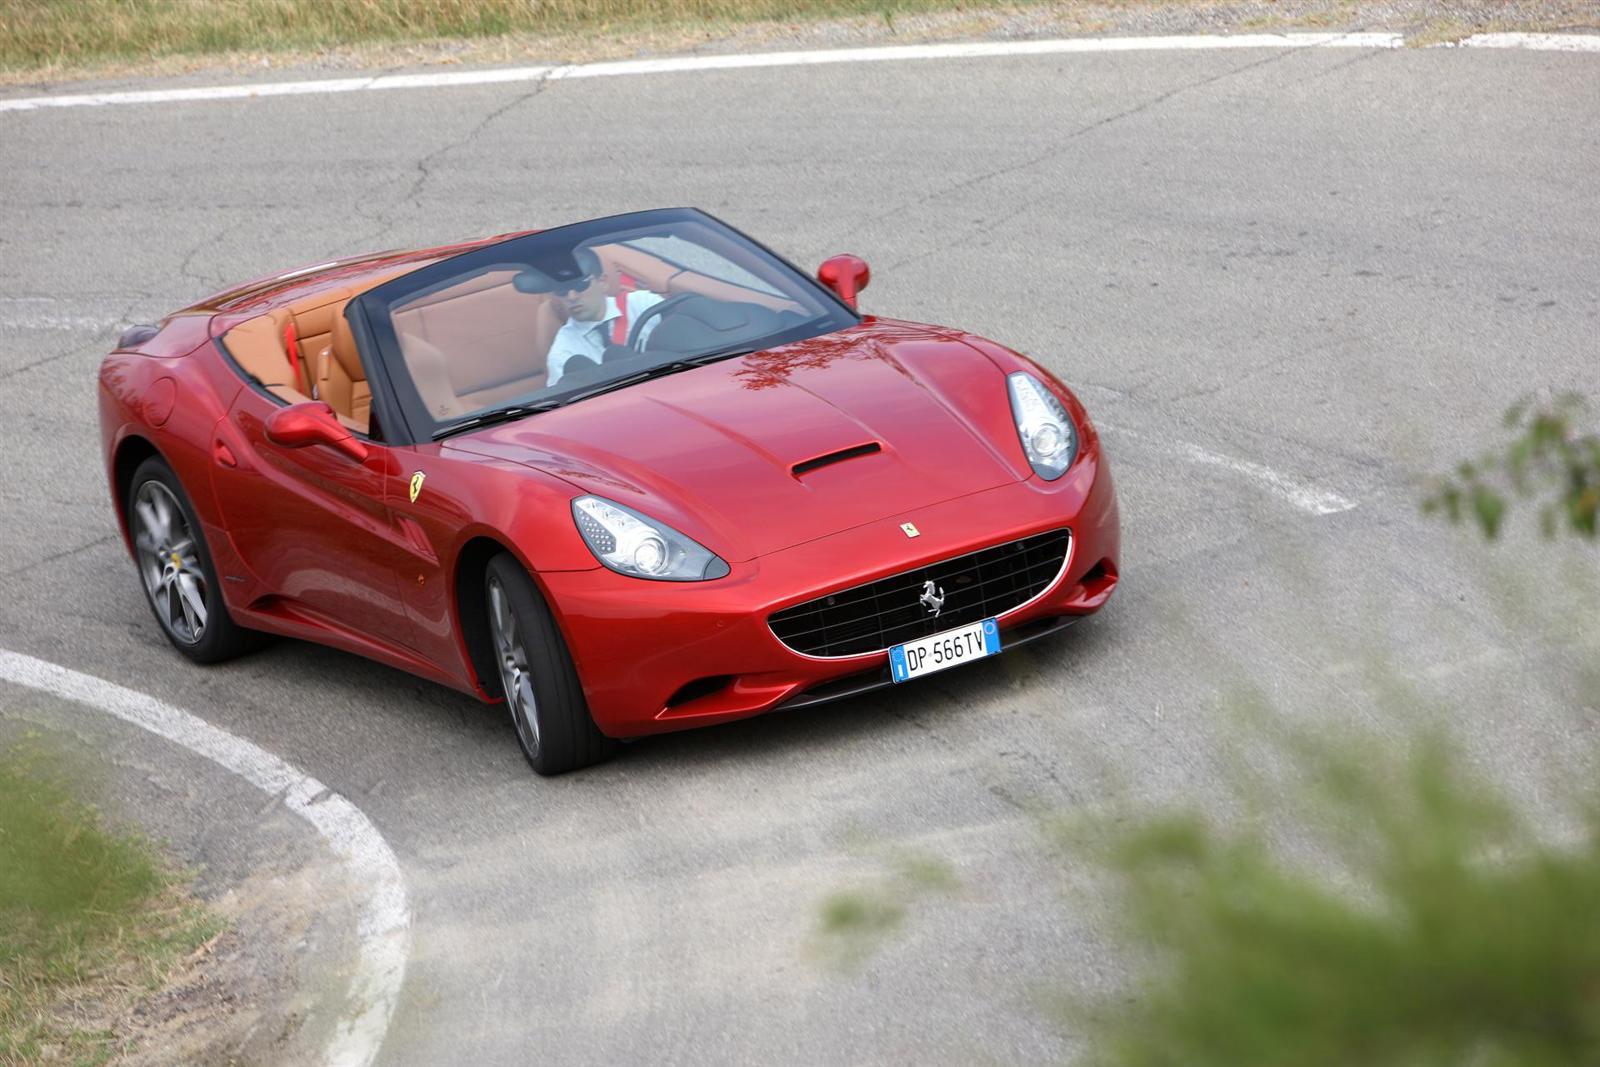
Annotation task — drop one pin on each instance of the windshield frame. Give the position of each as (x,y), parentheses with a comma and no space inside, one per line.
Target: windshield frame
(374,308)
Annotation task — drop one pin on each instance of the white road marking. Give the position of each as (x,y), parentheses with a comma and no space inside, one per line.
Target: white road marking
(55,322)
(971,50)
(1305,497)
(1555,42)
(384,924)
(1539,42)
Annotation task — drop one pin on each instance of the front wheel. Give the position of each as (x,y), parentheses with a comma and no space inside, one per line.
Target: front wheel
(175,567)
(537,675)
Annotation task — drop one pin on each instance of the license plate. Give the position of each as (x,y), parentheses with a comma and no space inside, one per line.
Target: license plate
(929,654)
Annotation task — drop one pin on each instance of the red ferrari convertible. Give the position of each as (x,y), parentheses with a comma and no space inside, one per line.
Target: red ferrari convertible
(629,475)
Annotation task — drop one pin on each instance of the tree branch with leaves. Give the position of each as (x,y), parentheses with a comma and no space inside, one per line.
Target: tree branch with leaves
(1549,458)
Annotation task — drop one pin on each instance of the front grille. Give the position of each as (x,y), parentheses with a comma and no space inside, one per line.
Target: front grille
(889,611)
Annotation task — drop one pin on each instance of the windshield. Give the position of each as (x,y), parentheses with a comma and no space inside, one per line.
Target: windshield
(550,318)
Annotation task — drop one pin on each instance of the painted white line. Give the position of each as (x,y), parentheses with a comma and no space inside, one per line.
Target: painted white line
(384,924)
(1305,497)
(55,322)
(1538,42)
(972,50)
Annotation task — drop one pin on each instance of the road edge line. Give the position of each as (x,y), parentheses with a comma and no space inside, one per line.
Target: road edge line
(1530,42)
(384,918)
(736,61)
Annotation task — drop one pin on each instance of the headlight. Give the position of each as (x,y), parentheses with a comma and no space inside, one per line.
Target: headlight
(629,543)
(1046,430)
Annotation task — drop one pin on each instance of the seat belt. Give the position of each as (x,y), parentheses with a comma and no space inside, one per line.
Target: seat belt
(297,362)
(626,283)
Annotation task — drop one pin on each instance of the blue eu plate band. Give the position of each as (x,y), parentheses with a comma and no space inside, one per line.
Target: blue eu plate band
(897,662)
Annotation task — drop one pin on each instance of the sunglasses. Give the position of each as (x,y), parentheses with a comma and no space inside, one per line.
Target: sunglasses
(577,285)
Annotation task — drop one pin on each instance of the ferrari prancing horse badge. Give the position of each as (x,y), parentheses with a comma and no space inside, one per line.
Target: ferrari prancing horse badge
(416,485)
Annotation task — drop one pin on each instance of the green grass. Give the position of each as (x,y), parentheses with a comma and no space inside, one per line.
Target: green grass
(44,33)
(84,913)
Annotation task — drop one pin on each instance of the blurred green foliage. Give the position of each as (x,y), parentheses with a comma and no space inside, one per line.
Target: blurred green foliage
(1444,934)
(1364,902)
(1548,458)
(854,922)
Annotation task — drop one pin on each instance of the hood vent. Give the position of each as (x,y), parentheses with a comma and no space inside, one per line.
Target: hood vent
(809,465)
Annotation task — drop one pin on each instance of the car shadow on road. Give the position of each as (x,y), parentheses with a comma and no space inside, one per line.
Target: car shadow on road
(885,717)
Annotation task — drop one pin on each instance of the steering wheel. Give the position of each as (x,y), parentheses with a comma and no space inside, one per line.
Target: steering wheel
(654,311)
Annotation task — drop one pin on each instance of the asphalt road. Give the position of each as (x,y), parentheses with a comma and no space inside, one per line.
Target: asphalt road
(1265,272)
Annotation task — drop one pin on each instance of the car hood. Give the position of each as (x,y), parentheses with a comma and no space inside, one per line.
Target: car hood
(713,451)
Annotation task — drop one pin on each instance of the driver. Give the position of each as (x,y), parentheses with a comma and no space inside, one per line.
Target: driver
(596,321)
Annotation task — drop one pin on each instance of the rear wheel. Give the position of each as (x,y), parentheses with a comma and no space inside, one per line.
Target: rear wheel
(180,582)
(537,675)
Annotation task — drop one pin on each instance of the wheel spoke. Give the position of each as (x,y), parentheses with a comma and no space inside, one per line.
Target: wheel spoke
(194,603)
(175,609)
(150,520)
(529,708)
(511,633)
(515,680)
(504,624)
(163,510)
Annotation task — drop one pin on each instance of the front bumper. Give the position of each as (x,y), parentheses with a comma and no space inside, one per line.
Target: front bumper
(660,656)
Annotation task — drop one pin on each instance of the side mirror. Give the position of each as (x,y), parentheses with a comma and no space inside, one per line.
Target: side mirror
(846,275)
(312,422)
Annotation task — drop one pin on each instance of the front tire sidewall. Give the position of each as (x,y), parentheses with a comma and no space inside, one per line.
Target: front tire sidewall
(567,737)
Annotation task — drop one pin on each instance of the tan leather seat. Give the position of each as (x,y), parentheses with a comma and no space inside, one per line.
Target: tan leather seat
(478,343)
(341,380)
(257,346)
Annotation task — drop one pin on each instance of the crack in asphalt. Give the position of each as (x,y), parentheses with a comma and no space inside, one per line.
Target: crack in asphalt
(424,166)
(63,554)
(117,325)
(185,268)
(1060,148)
(1337,67)
(46,360)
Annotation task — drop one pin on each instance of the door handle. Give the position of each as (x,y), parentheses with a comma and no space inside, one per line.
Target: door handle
(223,454)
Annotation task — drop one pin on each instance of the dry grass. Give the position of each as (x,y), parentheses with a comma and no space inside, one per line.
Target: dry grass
(40,34)
(43,41)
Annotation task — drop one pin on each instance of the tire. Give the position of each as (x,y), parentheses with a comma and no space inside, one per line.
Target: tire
(175,568)
(537,676)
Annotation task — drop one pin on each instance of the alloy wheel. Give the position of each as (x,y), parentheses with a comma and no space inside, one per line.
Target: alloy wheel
(169,562)
(512,657)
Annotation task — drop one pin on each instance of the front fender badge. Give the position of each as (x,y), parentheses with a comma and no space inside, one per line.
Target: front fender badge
(416,485)
(910,529)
